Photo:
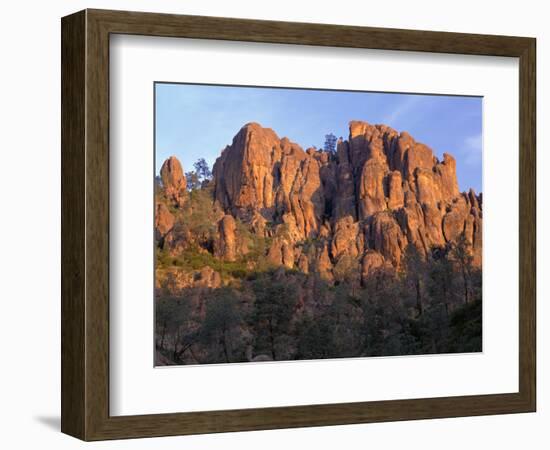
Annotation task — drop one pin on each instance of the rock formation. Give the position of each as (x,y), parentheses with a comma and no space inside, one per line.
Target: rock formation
(379,193)
(225,245)
(173,180)
(286,253)
(164,221)
(177,281)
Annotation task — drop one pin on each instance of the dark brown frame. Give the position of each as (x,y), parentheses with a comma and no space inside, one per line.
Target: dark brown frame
(85,224)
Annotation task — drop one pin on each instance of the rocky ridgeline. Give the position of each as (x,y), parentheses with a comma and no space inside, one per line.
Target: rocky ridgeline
(380,192)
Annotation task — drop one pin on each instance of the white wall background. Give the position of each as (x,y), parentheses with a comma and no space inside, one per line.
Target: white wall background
(30,225)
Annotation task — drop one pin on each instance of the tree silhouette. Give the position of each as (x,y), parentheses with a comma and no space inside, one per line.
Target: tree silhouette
(330,143)
(218,331)
(414,272)
(202,169)
(193,181)
(272,314)
(462,255)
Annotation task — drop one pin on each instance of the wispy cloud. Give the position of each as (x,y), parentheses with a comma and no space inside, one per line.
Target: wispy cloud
(472,149)
(407,106)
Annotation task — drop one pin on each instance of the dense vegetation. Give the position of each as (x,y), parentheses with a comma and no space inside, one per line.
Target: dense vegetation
(405,313)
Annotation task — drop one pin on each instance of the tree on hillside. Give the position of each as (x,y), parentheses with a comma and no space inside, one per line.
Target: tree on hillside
(193,181)
(196,178)
(441,279)
(175,326)
(330,143)
(202,170)
(219,333)
(462,255)
(384,316)
(414,275)
(271,317)
(348,271)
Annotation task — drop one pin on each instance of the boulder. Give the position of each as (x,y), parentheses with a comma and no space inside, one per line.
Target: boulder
(164,221)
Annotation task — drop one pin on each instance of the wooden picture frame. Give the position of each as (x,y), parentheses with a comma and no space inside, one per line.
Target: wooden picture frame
(85,224)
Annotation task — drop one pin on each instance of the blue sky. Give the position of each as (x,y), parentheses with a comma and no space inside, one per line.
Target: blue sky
(198,121)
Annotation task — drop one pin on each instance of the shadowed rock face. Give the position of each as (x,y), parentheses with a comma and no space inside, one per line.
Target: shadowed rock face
(380,192)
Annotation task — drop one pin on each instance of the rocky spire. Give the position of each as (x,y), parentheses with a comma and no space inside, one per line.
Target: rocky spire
(173,180)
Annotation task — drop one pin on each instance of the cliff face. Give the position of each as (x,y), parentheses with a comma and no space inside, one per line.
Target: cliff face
(379,193)
(305,254)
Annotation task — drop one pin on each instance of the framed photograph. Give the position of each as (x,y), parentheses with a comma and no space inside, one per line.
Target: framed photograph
(273,225)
